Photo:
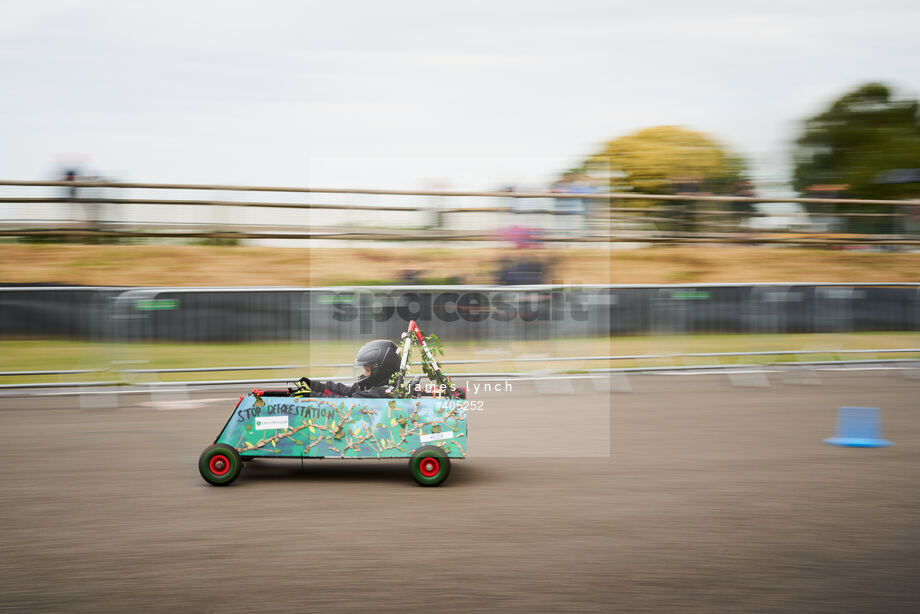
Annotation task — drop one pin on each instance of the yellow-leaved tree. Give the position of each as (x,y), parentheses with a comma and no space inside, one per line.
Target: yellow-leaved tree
(667,160)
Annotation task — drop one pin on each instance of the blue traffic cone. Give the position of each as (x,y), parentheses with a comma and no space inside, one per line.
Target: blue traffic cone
(858,427)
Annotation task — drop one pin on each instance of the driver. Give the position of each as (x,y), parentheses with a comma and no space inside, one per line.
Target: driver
(378,360)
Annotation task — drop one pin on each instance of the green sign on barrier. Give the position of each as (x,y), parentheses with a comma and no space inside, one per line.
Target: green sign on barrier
(156,304)
(689,295)
(336,300)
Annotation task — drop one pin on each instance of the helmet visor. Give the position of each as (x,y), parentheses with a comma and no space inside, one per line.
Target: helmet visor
(361,371)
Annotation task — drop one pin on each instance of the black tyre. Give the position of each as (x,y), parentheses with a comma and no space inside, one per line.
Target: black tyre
(219,464)
(429,465)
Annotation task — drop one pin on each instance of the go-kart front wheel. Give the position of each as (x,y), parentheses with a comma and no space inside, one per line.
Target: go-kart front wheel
(429,465)
(219,464)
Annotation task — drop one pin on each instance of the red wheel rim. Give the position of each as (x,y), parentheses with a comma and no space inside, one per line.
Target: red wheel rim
(219,464)
(429,467)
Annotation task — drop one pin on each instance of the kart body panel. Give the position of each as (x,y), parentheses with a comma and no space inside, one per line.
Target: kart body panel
(339,427)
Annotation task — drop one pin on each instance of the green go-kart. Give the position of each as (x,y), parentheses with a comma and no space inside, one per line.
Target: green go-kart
(427,430)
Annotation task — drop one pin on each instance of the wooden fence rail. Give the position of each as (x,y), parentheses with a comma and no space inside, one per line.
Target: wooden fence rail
(677,223)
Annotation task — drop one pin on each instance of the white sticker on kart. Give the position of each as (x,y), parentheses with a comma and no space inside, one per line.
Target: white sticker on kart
(436,436)
(271,422)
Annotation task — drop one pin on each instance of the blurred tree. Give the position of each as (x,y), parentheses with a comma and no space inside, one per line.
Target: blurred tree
(671,160)
(662,159)
(850,146)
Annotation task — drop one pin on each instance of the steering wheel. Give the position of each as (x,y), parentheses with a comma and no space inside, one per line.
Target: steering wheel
(299,387)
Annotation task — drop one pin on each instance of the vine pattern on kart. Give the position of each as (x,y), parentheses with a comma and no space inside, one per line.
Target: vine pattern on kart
(348,428)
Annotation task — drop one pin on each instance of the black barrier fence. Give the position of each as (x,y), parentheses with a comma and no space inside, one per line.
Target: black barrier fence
(454,312)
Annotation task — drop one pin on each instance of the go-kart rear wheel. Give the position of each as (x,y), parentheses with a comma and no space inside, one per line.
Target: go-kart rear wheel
(429,465)
(219,464)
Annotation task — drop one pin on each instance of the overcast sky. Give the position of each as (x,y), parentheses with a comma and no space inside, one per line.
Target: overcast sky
(467,94)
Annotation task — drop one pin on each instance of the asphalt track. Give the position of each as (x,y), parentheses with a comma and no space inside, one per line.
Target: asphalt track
(709,498)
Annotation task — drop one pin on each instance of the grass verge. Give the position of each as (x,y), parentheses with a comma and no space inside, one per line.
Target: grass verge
(317,358)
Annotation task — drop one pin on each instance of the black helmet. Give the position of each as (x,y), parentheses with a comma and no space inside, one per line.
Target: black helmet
(382,358)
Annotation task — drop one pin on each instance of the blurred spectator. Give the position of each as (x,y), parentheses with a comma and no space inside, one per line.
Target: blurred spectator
(70,174)
(826,215)
(85,201)
(521,232)
(409,277)
(72,192)
(520,269)
(912,217)
(515,206)
(683,213)
(741,210)
(436,203)
(92,207)
(521,272)
(522,237)
(571,212)
(908,179)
